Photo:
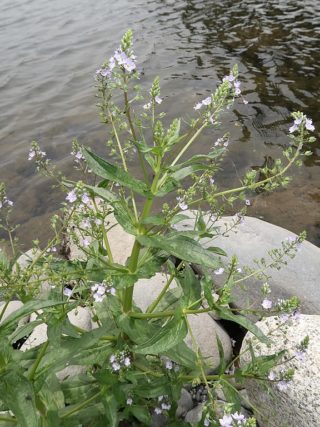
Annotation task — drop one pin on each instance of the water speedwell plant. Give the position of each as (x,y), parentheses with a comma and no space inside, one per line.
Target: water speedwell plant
(132,366)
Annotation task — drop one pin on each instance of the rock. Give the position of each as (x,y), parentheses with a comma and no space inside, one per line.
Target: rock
(146,290)
(253,239)
(11,308)
(24,262)
(194,415)
(79,317)
(185,403)
(37,337)
(205,330)
(70,371)
(120,242)
(203,327)
(297,405)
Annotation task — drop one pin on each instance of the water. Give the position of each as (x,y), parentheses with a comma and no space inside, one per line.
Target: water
(49,52)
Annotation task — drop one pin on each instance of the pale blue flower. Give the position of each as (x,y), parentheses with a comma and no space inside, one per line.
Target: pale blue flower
(266,304)
(309,125)
(226,421)
(158,99)
(219,271)
(71,196)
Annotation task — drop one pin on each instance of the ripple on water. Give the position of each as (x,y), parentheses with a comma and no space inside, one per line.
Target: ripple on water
(49,52)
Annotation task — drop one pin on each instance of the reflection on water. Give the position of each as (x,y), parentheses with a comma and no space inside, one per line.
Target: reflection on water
(49,51)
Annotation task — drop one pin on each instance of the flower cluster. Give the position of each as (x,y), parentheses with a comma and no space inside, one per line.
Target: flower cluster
(163,405)
(76,195)
(301,120)
(120,360)
(121,59)
(5,202)
(235,83)
(204,103)
(35,153)
(284,379)
(235,420)
(100,290)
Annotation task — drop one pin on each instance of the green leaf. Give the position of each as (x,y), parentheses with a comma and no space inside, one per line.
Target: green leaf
(182,247)
(109,171)
(102,192)
(231,394)
(31,306)
(217,250)
(158,387)
(222,364)
(18,394)
(167,336)
(142,414)
(226,314)
(190,285)
(123,217)
(183,355)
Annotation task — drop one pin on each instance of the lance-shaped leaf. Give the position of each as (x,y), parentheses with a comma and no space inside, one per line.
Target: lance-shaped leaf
(182,247)
(226,314)
(103,193)
(18,394)
(109,171)
(168,336)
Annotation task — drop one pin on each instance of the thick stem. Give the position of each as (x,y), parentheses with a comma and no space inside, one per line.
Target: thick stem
(38,360)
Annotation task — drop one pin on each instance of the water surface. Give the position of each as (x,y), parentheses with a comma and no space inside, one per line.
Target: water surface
(49,51)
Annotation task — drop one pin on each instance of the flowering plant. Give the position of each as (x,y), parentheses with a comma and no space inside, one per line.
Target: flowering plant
(135,362)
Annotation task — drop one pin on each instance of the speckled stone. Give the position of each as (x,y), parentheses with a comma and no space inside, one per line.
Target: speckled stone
(298,405)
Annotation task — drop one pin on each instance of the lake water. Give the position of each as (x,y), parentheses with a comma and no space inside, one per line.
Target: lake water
(49,51)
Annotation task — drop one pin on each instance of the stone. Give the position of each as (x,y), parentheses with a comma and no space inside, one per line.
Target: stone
(203,327)
(253,238)
(205,330)
(120,242)
(185,403)
(194,415)
(24,262)
(11,308)
(146,290)
(79,317)
(297,405)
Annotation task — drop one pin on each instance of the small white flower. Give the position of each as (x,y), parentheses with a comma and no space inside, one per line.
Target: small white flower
(129,401)
(67,292)
(198,106)
(158,99)
(271,376)
(147,106)
(71,196)
(112,358)
(283,385)
(266,304)
(116,366)
(248,202)
(98,221)
(157,411)
(112,291)
(85,242)
(127,362)
(85,198)
(219,271)
(166,406)
(169,365)
(207,101)
(32,154)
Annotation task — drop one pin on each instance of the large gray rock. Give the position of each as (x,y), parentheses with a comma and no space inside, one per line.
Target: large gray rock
(79,317)
(252,239)
(297,405)
(203,327)
(11,308)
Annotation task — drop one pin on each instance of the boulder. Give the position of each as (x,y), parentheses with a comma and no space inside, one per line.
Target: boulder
(253,238)
(297,403)
(203,327)
(79,317)
(11,308)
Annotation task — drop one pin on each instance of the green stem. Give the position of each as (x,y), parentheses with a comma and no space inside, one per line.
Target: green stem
(8,419)
(133,132)
(38,360)
(3,310)
(168,313)
(105,236)
(78,407)
(134,257)
(160,296)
